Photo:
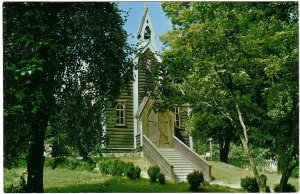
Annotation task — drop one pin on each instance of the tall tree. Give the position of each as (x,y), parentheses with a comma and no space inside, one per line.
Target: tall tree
(208,123)
(46,44)
(227,56)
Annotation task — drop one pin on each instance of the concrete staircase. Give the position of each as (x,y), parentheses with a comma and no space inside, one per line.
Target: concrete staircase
(181,166)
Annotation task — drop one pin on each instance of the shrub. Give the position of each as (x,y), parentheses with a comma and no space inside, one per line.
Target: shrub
(87,165)
(249,184)
(195,179)
(161,178)
(152,172)
(287,188)
(130,171)
(137,172)
(71,163)
(103,167)
(133,172)
(117,167)
(50,162)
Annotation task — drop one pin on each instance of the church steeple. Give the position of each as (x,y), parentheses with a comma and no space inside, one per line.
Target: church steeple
(146,33)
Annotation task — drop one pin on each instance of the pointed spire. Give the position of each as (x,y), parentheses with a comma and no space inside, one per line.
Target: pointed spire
(145,7)
(146,33)
(145,22)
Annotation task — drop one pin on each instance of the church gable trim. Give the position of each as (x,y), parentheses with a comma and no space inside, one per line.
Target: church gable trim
(142,107)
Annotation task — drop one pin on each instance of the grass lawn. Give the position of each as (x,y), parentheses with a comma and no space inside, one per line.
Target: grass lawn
(79,180)
(64,180)
(75,181)
(229,175)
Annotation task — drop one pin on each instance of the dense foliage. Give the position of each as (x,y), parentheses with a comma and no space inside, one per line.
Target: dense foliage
(287,188)
(58,57)
(195,179)
(237,64)
(216,127)
(153,172)
(250,184)
(161,178)
(117,167)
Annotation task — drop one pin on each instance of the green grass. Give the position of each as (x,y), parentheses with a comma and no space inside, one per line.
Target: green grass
(122,184)
(230,175)
(65,181)
(80,180)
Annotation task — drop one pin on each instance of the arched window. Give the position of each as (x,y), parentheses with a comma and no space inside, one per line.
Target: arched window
(177,116)
(121,113)
(147,33)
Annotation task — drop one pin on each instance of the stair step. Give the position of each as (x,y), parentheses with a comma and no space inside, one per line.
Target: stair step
(182,172)
(181,166)
(177,159)
(179,162)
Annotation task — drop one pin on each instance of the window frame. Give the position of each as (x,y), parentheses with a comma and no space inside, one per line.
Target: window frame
(177,117)
(119,111)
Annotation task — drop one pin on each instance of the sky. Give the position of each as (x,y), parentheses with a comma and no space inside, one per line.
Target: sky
(160,22)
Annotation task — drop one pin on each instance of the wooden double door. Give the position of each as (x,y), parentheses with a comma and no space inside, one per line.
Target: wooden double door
(160,128)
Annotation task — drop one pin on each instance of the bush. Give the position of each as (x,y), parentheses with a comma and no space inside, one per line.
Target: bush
(133,172)
(195,179)
(137,172)
(118,168)
(130,171)
(287,188)
(87,165)
(152,172)
(161,178)
(249,184)
(50,162)
(71,163)
(103,167)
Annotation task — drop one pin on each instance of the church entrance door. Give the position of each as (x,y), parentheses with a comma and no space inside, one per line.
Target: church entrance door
(160,129)
(152,126)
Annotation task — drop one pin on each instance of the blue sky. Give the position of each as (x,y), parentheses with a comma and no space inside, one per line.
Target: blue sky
(160,22)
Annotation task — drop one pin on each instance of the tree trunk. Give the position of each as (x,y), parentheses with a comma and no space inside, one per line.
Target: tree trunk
(286,173)
(261,180)
(35,162)
(224,150)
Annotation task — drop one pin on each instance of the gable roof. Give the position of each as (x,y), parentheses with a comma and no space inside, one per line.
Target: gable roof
(142,106)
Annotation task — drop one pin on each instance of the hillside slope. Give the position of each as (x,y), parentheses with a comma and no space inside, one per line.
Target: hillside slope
(228,175)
